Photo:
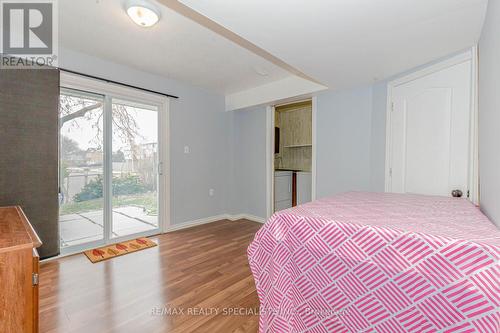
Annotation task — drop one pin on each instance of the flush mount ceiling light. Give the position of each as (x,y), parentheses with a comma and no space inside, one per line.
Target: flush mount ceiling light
(143,13)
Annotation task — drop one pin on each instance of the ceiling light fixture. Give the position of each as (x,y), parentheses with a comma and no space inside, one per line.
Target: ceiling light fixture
(143,13)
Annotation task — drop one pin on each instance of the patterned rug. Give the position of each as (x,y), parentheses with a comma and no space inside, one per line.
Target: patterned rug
(119,249)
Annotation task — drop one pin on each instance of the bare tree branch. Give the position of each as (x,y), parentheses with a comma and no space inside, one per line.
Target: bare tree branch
(78,114)
(123,118)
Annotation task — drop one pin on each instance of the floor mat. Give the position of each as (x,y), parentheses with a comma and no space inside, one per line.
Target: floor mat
(119,249)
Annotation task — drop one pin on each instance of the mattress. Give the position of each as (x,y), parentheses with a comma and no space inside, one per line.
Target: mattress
(378,262)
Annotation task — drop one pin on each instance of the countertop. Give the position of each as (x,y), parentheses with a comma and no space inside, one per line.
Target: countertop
(292,170)
(15,230)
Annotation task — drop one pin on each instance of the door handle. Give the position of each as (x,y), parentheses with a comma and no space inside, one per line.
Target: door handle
(457,193)
(160,168)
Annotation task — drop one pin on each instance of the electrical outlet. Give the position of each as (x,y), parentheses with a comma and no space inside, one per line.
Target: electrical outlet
(211,192)
(187,150)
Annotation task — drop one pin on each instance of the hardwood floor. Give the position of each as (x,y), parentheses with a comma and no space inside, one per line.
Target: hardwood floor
(188,283)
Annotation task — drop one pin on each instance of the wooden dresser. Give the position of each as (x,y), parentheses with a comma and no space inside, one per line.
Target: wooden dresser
(19,263)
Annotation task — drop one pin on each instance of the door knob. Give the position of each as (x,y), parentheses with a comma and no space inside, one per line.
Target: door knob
(456,193)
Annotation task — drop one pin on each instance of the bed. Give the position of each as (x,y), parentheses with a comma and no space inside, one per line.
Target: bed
(378,262)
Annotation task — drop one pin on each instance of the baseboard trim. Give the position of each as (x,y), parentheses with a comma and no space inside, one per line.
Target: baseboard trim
(250,217)
(194,223)
(211,219)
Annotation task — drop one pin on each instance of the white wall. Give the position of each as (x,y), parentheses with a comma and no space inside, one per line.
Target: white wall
(343,134)
(197,119)
(489,113)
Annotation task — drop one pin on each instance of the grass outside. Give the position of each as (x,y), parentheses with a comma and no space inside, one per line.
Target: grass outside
(146,200)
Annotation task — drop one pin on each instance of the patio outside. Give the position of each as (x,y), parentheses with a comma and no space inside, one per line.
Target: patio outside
(84,226)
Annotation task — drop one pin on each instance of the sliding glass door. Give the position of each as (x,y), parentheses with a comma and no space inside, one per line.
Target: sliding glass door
(110,169)
(135,168)
(81,168)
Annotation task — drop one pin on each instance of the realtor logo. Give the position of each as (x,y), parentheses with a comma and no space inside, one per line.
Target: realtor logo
(29,36)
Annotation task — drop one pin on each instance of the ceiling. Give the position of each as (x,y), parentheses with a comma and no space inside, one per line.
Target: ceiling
(339,43)
(176,47)
(342,43)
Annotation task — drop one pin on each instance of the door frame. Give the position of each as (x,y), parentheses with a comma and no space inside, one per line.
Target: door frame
(469,55)
(116,91)
(270,124)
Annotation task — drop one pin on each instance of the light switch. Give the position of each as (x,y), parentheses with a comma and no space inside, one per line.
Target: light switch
(187,150)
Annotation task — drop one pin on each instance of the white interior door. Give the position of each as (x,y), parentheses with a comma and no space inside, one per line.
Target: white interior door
(429,124)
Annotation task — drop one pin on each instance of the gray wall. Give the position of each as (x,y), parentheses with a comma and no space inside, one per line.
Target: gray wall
(489,113)
(343,141)
(198,120)
(29,101)
(377,139)
(249,162)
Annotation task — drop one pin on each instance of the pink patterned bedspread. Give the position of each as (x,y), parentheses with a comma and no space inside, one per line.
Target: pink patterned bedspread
(373,262)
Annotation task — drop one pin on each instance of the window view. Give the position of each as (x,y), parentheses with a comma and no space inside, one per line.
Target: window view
(135,168)
(132,167)
(80,168)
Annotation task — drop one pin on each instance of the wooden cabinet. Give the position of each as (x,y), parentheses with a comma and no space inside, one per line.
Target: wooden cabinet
(295,136)
(18,272)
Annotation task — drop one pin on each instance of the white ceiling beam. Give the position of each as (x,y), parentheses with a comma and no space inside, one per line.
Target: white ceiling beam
(272,93)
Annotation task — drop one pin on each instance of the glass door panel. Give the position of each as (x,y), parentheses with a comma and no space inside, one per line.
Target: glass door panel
(134,168)
(110,163)
(81,203)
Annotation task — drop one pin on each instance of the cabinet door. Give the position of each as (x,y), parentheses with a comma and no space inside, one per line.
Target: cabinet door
(304,187)
(283,188)
(280,205)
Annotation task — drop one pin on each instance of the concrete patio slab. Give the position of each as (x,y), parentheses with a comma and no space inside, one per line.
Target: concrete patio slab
(138,213)
(86,227)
